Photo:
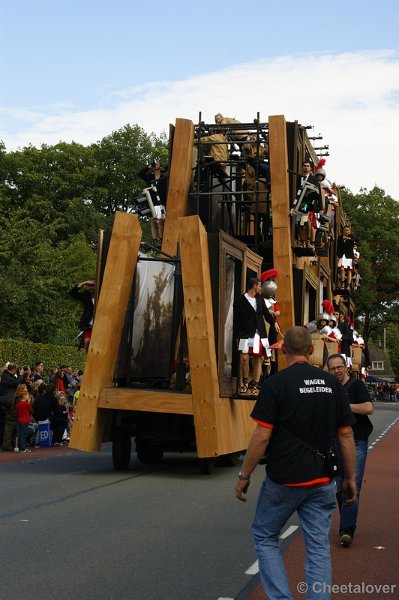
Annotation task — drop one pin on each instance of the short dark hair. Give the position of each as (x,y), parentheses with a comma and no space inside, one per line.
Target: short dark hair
(336,356)
(251,282)
(50,388)
(297,341)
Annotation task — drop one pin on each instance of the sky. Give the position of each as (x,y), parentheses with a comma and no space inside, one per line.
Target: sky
(77,70)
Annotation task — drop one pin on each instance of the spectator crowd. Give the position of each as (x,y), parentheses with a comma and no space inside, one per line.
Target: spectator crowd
(28,399)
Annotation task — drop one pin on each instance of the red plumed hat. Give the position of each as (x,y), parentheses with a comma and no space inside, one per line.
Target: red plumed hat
(268,274)
(328,307)
(319,167)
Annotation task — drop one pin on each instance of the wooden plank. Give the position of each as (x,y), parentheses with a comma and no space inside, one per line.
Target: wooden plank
(222,425)
(89,425)
(179,182)
(234,424)
(146,400)
(200,332)
(282,250)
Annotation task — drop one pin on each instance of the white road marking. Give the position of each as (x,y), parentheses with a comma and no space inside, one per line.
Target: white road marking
(254,569)
(383,434)
(288,531)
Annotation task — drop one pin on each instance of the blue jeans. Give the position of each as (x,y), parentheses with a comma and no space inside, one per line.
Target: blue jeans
(348,518)
(315,506)
(22,430)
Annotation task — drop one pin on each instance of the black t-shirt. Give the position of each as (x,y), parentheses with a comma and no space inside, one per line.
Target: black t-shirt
(357,394)
(309,403)
(44,407)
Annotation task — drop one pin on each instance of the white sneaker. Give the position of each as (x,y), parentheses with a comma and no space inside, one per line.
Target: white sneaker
(16,449)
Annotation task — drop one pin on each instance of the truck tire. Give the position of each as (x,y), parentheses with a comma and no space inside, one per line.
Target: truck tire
(207,465)
(121,449)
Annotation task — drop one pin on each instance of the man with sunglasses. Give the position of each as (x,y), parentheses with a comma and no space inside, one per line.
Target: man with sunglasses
(362,407)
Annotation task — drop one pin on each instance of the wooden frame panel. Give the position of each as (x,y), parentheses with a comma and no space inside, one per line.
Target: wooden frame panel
(179,182)
(229,246)
(222,425)
(146,400)
(90,422)
(200,331)
(282,249)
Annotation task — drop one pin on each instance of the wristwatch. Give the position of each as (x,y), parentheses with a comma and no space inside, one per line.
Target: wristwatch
(244,477)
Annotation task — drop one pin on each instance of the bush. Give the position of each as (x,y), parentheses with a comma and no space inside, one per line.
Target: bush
(24,352)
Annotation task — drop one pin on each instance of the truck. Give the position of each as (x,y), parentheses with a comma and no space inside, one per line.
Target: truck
(162,367)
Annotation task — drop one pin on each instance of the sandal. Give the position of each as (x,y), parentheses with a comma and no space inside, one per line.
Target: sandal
(255,389)
(244,386)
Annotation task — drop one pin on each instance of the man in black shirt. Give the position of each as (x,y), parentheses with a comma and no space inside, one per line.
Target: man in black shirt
(361,407)
(299,412)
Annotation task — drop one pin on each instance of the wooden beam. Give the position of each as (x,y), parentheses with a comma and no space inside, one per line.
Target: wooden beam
(146,400)
(282,250)
(90,422)
(179,182)
(200,332)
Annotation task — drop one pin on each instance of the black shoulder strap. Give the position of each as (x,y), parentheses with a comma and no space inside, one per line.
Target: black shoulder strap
(301,440)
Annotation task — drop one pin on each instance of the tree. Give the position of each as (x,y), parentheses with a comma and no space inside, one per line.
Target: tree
(375,220)
(53,185)
(53,201)
(393,347)
(119,158)
(35,276)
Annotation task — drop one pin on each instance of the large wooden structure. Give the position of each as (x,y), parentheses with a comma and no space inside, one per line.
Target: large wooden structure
(209,256)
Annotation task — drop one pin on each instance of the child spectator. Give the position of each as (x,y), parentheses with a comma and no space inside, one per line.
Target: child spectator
(63,405)
(76,397)
(23,409)
(59,420)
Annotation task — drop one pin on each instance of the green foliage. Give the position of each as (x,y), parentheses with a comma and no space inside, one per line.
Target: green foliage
(375,220)
(35,276)
(119,158)
(53,202)
(393,347)
(23,352)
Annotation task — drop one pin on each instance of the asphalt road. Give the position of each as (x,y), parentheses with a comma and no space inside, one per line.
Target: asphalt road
(73,528)
(368,568)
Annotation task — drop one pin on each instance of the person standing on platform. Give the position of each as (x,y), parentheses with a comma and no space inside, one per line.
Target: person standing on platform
(250,313)
(85,292)
(299,412)
(361,407)
(157,181)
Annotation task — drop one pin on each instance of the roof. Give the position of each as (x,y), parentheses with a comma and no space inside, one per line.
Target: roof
(378,354)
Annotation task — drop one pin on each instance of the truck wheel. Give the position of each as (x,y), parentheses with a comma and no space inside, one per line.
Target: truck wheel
(230,460)
(207,465)
(121,449)
(149,453)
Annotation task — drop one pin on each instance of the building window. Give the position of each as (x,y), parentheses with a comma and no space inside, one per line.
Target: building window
(377,365)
